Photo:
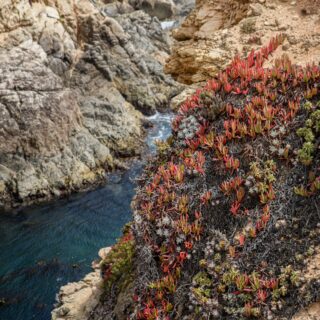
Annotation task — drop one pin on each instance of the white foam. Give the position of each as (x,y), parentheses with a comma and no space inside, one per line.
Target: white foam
(167,24)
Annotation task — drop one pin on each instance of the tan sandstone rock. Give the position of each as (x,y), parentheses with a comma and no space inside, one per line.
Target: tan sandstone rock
(216,30)
(76,300)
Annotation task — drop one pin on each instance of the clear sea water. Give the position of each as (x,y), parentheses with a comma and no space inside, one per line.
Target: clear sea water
(45,247)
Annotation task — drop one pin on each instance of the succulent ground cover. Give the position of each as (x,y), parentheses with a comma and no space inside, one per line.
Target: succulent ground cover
(227,213)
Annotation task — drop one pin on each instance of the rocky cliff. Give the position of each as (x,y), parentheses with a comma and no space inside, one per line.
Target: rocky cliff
(75,78)
(217,30)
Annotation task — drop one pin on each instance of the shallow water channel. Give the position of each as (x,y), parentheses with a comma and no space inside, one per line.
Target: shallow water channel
(47,246)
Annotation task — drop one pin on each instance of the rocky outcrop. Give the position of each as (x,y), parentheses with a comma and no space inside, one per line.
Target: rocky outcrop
(77,300)
(75,77)
(42,132)
(217,30)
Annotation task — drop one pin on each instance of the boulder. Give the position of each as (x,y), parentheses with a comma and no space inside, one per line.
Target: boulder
(76,300)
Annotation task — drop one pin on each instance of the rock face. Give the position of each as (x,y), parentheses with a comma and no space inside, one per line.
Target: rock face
(77,300)
(216,30)
(75,77)
(41,129)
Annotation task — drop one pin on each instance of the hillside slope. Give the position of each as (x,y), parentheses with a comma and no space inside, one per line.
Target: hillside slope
(226,217)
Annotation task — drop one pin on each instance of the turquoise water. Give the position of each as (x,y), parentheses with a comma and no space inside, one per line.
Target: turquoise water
(45,247)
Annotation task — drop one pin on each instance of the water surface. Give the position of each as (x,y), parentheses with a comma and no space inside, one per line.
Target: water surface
(45,247)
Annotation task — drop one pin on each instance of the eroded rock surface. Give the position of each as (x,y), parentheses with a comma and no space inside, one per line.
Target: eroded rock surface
(76,300)
(79,298)
(74,80)
(216,30)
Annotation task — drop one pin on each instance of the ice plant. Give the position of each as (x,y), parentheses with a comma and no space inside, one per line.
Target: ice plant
(221,121)
(262,295)
(242,239)
(235,208)
(205,198)
(227,87)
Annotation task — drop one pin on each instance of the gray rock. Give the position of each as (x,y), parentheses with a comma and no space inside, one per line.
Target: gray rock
(72,85)
(162,9)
